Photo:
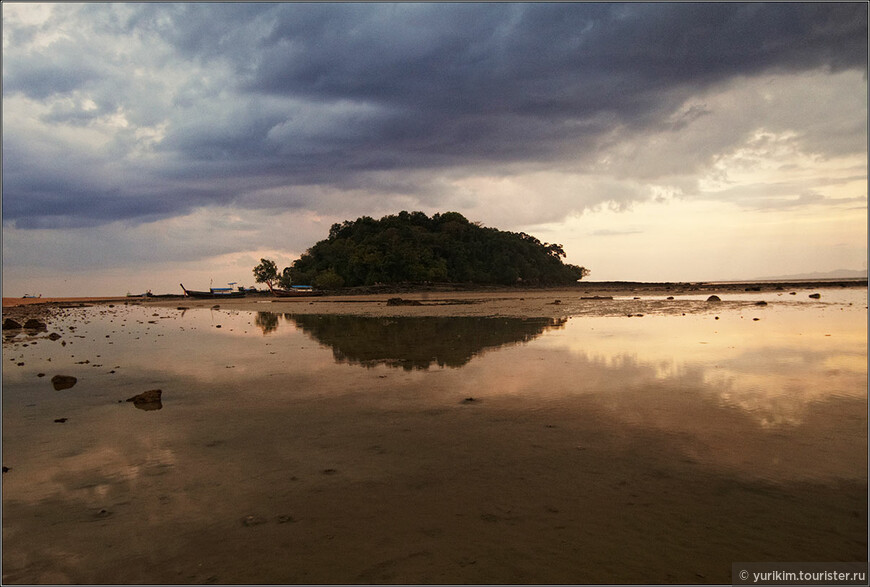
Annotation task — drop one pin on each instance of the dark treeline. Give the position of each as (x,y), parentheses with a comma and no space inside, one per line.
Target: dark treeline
(412,247)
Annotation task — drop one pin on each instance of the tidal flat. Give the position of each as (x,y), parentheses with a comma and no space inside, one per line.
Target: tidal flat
(499,439)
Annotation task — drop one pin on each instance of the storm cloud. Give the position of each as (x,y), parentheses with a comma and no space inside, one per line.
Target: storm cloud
(136,112)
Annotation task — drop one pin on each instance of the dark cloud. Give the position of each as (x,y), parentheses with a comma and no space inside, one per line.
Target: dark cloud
(264,96)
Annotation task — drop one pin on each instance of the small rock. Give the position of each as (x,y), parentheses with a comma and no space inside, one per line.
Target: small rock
(670,297)
(403,302)
(329,471)
(53,336)
(148,400)
(40,374)
(284,519)
(762,303)
(6,469)
(253,521)
(61,420)
(63,382)
(470,400)
(10,324)
(714,298)
(816,296)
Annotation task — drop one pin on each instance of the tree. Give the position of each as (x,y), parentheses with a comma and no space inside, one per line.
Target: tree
(266,272)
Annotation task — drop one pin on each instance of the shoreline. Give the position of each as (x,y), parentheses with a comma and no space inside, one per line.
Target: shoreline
(591,298)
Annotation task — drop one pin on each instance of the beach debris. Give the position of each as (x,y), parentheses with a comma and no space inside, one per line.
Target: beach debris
(815,296)
(10,324)
(148,400)
(403,302)
(714,298)
(61,382)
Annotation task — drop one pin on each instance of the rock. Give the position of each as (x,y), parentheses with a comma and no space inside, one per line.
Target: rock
(148,400)
(403,302)
(6,469)
(253,521)
(10,324)
(53,336)
(61,420)
(714,298)
(762,303)
(670,297)
(63,382)
(34,324)
(469,400)
(816,296)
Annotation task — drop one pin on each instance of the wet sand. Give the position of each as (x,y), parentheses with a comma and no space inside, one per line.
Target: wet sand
(272,461)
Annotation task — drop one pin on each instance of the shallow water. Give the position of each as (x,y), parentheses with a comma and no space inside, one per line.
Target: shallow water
(292,448)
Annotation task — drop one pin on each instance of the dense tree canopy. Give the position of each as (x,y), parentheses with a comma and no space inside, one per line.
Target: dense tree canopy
(412,247)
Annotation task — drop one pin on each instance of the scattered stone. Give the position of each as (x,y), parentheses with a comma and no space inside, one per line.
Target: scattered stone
(40,374)
(753,289)
(556,302)
(104,513)
(10,324)
(148,400)
(182,308)
(216,307)
(61,382)
(593,298)
(815,296)
(403,302)
(253,521)
(469,400)
(53,336)
(329,471)
(34,324)
(284,519)
(756,319)
(217,325)
(762,303)
(670,297)
(714,298)
(61,420)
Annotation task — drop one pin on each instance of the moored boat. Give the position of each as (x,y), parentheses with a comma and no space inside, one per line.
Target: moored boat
(295,291)
(212,293)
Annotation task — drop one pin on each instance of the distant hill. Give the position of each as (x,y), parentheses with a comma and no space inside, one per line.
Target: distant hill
(836,274)
(412,247)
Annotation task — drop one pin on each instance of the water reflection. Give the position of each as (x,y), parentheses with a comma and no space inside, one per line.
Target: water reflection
(266,321)
(419,342)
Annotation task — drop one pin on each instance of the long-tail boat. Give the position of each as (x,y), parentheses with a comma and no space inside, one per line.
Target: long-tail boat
(212,293)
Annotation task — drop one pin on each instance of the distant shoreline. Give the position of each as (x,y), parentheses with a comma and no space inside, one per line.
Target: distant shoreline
(596,287)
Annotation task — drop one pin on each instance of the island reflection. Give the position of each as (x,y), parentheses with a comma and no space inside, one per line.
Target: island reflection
(418,342)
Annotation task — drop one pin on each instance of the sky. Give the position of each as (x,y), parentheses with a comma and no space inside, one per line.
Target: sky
(151,144)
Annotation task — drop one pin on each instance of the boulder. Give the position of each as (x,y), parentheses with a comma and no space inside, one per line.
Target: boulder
(34,324)
(61,382)
(10,324)
(714,298)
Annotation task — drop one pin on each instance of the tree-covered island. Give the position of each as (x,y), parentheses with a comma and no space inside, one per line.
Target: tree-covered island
(410,247)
